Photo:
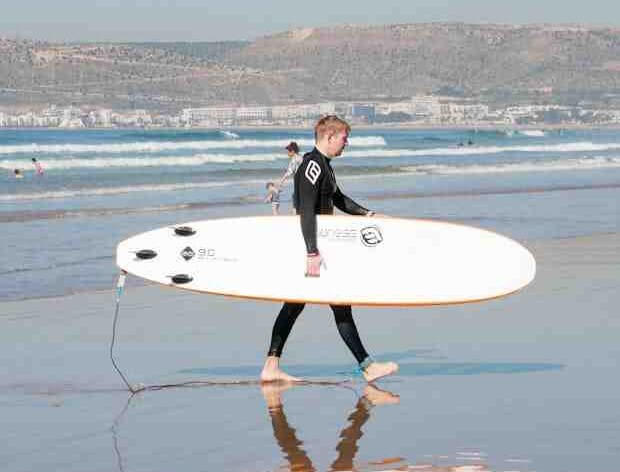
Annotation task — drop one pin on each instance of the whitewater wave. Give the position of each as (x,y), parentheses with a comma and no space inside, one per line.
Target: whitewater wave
(171,146)
(481,150)
(225,158)
(229,134)
(99,191)
(146,161)
(584,163)
(534,133)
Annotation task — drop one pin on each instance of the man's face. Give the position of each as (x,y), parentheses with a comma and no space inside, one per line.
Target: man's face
(337,143)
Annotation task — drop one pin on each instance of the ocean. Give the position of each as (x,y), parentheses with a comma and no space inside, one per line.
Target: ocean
(523,383)
(101,186)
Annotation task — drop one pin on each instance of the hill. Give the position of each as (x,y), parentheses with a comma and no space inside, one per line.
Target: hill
(492,63)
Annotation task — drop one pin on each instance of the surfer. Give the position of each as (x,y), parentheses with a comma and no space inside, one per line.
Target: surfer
(295,161)
(273,197)
(18,174)
(316,192)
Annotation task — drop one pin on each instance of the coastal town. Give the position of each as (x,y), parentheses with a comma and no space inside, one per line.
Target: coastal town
(422,110)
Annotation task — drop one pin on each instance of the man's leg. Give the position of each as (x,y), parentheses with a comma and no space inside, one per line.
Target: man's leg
(348,331)
(281,329)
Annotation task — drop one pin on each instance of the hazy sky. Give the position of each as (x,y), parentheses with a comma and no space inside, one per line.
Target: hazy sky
(213,20)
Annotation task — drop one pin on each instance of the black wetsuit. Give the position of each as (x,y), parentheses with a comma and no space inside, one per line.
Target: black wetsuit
(316,192)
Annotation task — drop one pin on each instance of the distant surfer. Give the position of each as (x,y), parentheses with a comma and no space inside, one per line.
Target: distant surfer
(18,174)
(295,161)
(37,166)
(273,197)
(316,192)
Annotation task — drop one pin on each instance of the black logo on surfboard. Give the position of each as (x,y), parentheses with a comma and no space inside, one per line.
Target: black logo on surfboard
(187,253)
(371,236)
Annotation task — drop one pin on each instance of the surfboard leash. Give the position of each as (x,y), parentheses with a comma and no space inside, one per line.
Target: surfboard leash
(120,285)
(140,387)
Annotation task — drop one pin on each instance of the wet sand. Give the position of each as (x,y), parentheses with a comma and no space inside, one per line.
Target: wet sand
(524,383)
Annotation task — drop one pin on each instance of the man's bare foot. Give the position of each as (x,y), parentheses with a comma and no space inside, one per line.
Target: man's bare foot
(272,372)
(272,392)
(376,396)
(376,370)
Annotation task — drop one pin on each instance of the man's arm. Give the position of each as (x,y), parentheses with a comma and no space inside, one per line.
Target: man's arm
(310,176)
(290,170)
(347,205)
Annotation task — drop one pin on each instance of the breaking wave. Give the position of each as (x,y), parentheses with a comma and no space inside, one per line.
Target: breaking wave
(103,191)
(584,163)
(171,146)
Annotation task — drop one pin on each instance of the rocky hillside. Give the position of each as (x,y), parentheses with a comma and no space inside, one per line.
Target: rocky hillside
(494,63)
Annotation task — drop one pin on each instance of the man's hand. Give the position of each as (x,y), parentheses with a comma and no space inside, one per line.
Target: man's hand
(313,265)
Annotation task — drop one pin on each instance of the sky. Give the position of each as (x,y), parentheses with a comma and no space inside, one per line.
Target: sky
(218,20)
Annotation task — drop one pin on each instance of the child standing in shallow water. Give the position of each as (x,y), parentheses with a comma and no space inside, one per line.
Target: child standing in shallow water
(273,196)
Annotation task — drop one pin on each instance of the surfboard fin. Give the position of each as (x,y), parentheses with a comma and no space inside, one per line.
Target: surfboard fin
(184,231)
(181,279)
(145,254)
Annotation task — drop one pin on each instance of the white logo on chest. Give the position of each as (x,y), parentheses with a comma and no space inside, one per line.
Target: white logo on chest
(313,171)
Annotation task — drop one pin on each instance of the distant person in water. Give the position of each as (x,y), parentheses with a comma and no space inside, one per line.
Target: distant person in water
(37,166)
(317,193)
(18,174)
(295,161)
(273,197)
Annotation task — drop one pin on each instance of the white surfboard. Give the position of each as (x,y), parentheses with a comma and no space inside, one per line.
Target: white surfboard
(368,261)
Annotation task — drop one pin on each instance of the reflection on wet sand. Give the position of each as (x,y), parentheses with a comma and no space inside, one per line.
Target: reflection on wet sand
(347,447)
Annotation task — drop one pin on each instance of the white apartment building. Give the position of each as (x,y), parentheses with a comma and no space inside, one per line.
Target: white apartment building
(252,114)
(463,113)
(513,113)
(395,107)
(53,116)
(475,112)
(302,112)
(426,107)
(26,120)
(208,115)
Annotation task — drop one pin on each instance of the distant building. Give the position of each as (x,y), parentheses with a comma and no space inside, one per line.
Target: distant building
(364,112)
(208,116)
(426,107)
(53,116)
(296,113)
(252,114)
(394,107)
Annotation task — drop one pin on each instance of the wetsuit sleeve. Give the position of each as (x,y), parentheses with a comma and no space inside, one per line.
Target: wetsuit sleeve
(347,205)
(310,175)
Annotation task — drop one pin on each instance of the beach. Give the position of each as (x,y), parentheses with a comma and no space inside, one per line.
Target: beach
(522,383)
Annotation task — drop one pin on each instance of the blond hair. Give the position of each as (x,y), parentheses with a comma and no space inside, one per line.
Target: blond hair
(330,125)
